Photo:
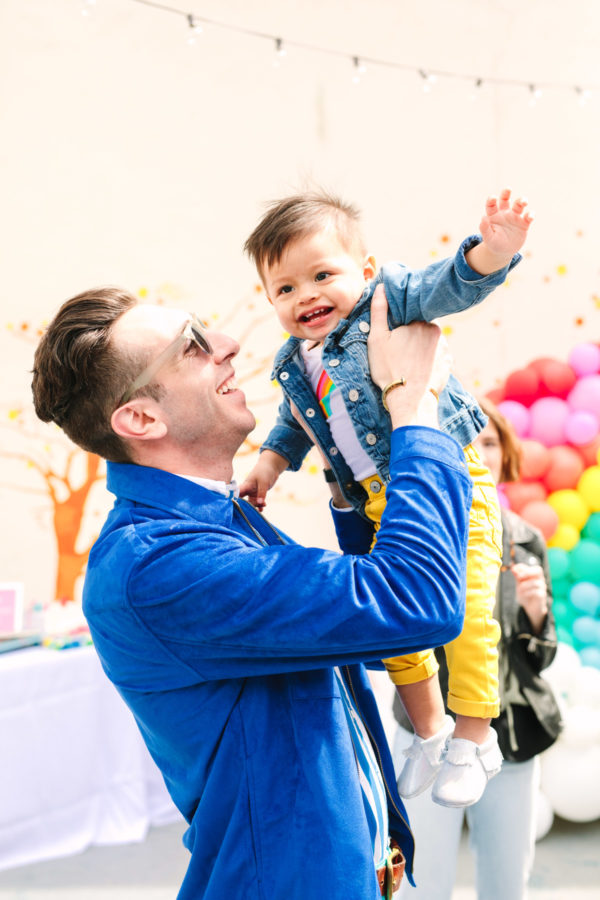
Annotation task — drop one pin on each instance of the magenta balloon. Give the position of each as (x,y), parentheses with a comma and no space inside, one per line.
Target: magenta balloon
(586,394)
(548,418)
(517,415)
(581,427)
(584,359)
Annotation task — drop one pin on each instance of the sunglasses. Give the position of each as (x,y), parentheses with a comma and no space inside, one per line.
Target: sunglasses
(194,330)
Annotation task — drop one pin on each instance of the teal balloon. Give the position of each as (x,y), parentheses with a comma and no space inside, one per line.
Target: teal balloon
(564,613)
(590,656)
(584,561)
(592,528)
(561,588)
(558,560)
(564,636)
(585,597)
(586,631)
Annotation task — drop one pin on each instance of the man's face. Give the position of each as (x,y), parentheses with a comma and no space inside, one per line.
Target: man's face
(316,283)
(204,410)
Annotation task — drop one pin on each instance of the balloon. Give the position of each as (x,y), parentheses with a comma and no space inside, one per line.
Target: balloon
(565,637)
(584,359)
(570,506)
(563,672)
(565,536)
(517,415)
(585,689)
(584,562)
(581,427)
(570,779)
(566,465)
(586,630)
(519,493)
(589,487)
(592,528)
(502,498)
(585,597)
(590,452)
(547,421)
(564,614)
(558,560)
(586,394)
(590,656)
(539,514)
(556,378)
(496,395)
(535,460)
(562,586)
(523,386)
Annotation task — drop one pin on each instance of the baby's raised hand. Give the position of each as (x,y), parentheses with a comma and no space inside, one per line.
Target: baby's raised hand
(504,226)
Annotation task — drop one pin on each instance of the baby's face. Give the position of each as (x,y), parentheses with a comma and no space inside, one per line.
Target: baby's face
(316,283)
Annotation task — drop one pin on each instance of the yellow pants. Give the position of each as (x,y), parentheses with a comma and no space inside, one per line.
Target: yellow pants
(472,657)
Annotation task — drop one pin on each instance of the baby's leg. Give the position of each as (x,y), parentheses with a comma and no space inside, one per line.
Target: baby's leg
(473,755)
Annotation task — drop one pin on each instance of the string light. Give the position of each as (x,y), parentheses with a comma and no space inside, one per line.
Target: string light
(195,29)
(359,70)
(280,53)
(429,77)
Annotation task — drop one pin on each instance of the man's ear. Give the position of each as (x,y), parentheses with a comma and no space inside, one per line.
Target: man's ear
(369,268)
(139,420)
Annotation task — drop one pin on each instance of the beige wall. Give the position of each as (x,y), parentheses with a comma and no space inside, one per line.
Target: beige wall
(129,157)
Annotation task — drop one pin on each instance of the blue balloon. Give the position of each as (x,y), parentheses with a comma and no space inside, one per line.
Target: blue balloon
(590,656)
(585,597)
(586,630)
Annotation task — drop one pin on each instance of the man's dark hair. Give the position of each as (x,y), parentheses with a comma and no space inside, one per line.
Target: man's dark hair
(300,216)
(79,376)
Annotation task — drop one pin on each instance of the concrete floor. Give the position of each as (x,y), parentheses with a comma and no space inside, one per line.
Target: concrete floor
(567,867)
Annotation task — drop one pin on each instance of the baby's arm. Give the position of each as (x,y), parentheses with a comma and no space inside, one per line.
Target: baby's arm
(263,476)
(503,229)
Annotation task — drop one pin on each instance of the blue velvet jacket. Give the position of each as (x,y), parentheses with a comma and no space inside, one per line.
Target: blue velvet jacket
(221,640)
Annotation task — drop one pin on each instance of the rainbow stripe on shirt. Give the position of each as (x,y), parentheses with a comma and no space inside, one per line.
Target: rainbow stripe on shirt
(325,388)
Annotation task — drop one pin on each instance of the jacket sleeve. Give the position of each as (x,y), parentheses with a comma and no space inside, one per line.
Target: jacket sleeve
(288,438)
(354,533)
(229,607)
(444,287)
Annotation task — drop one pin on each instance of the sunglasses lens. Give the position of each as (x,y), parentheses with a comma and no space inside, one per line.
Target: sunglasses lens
(200,338)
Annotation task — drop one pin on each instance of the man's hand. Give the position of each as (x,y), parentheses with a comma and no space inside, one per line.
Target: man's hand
(503,228)
(263,476)
(417,353)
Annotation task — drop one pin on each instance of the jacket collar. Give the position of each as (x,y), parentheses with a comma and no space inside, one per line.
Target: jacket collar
(171,493)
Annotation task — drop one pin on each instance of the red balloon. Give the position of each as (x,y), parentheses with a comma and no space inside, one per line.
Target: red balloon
(496,395)
(535,460)
(566,465)
(556,378)
(589,452)
(542,516)
(520,493)
(523,385)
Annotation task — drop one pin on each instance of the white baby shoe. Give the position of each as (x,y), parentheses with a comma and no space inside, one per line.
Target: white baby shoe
(423,761)
(465,771)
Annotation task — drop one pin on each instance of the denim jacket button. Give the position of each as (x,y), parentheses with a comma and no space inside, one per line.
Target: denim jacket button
(333,451)
(353,395)
(310,412)
(375,486)
(364,327)
(371,438)
(334,363)
(284,376)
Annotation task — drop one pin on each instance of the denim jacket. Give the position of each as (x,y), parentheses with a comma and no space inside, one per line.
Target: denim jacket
(444,287)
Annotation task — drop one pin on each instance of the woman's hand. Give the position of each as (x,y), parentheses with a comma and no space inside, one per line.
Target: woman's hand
(532,593)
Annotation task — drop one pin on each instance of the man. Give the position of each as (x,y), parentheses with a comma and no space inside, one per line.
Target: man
(239,652)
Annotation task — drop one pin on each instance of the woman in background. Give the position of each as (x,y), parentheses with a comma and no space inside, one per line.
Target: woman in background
(502,824)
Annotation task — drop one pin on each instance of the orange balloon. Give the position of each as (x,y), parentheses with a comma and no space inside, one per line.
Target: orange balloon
(566,465)
(519,493)
(535,460)
(541,516)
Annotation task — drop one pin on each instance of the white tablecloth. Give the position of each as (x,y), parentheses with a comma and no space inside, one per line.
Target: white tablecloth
(74,770)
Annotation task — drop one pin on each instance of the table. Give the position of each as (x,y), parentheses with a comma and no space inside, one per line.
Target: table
(74,770)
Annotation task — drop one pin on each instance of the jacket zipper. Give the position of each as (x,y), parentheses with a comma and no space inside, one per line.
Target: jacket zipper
(376,749)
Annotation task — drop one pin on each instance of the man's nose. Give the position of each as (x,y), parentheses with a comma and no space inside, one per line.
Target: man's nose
(224,347)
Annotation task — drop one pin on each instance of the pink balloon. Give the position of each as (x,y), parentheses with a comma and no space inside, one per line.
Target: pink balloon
(586,394)
(503,499)
(581,427)
(517,414)
(548,417)
(584,359)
